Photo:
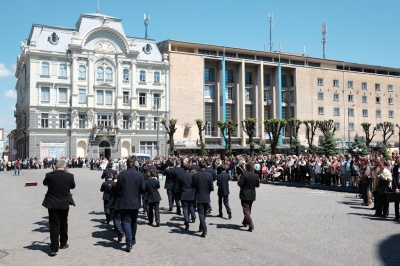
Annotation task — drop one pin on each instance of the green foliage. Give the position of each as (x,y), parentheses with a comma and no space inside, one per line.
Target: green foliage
(384,152)
(312,149)
(170,127)
(273,127)
(329,146)
(264,150)
(387,131)
(368,136)
(249,126)
(227,128)
(358,147)
(311,127)
(327,126)
(201,127)
(293,146)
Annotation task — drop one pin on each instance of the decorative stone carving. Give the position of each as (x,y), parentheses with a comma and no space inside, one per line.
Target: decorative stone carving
(120,117)
(134,116)
(104,22)
(90,118)
(105,46)
(75,119)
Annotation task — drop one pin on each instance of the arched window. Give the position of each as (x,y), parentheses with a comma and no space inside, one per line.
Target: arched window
(109,74)
(142,76)
(126,74)
(100,73)
(82,71)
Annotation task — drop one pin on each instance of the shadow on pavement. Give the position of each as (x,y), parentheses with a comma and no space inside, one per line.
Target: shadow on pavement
(389,250)
(230,226)
(96,213)
(43,228)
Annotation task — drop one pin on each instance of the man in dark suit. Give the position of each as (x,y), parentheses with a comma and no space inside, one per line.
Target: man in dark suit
(210,170)
(223,191)
(151,186)
(177,195)
(187,194)
(248,183)
(57,201)
(109,170)
(129,189)
(106,188)
(203,183)
(169,183)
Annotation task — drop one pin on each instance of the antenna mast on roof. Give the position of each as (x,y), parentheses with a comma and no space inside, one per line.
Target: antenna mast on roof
(324,30)
(98,6)
(270,18)
(146,24)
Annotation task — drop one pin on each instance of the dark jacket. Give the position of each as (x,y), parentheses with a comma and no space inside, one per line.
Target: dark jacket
(185,186)
(212,172)
(177,172)
(248,183)
(203,183)
(58,194)
(109,170)
(169,178)
(106,188)
(129,188)
(151,186)
(223,184)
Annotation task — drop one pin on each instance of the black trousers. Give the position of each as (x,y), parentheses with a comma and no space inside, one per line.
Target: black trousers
(225,199)
(154,210)
(170,194)
(246,205)
(177,199)
(382,205)
(107,210)
(202,209)
(188,208)
(58,220)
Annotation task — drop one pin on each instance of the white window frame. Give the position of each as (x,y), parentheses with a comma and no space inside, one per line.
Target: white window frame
(391,114)
(335,83)
(321,110)
(82,71)
(377,86)
(45,94)
(142,99)
(390,88)
(45,68)
(157,77)
(100,73)
(142,75)
(320,81)
(209,92)
(351,126)
(61,99)
(125,97)
(62,120)
(320,96)
(44,121)
(125,75)
(336,97)
(350,112)
(63,70)
(248,95)
(350,98)
(109,74)
(365,112)
(108,99)
(378,114)
(364,85)
(336,111)
(350,84)
(82,96)
(364,98)
(100,97)
(142,122)
(390,101)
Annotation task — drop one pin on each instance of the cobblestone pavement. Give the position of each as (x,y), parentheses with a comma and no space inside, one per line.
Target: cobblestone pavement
(293,226)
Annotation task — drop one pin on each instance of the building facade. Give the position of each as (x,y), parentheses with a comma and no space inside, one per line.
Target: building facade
(311,89)
(90,91)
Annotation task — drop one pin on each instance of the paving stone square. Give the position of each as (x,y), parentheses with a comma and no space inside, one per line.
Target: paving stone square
(293,226)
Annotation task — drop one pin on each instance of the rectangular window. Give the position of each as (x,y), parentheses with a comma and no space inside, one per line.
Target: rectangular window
(142,99)
(377,86)
(335,83)
(267,95)
(229,76)
(249,78)
(230,93)
(365,113)
(267,79)
(108,97)
(320,96)
(249,111)
(292,80)
(125,97)
(62,120)
(351,98)
(156,100)
(292,96)
(100,97)
(82,120)
(62,95)
(45,69)
(390,88)
(364,99)
(320,110)
(351,126)
(156,122)
(45,94)
(284,81)
(229,115)
(364,85)
(350,84)
(378,113)
(391,114)
(63,70)
(266,112)
(378,126)
(320,81)
(208,116)
(291,111)
(248,94)
(142,76)
(336,97)
(44,122)
(104,120)
(378,100)
(336,111)
(125,122)
(337,125)
(142,122)
(209,75)
(284,96)
(157,77)
(82,95)
(390,99)
(209,92)
(351,112)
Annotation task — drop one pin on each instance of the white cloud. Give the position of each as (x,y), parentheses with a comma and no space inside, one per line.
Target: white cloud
(4,72)
(10,94)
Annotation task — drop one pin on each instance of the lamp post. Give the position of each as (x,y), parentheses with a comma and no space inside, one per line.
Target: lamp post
(348,126)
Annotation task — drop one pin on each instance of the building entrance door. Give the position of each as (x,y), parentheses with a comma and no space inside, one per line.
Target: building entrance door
(104,149)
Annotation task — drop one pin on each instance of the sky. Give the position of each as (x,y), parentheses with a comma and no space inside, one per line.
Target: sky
(358,31)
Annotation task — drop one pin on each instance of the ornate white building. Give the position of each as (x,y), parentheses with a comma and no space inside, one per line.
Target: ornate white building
(90,91)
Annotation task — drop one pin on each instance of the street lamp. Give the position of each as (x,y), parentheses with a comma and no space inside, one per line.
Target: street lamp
(348,121)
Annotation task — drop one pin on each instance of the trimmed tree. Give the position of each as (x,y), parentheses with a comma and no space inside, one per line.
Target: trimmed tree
(249,126)
(201,127)
(227,128)
(358,147)
(263,148)
(273,127)
(327,126)
(311,127)
(171,129)
(329,146)
(368,137)
(294,126)
(387,131)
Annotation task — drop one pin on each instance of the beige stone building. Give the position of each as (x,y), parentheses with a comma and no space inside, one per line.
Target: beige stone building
(312,89)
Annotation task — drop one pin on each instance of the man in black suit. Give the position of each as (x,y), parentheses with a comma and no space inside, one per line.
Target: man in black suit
(248,183)
(177,195)
(109,170)
(151,186)
(210,170)
(203,183)
(106,188)
(223,191)
(129,189)
(187,194)
(57,201)
(169,183)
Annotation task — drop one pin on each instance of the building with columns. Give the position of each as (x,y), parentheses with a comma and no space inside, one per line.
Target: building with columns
(311,89)
(90,91)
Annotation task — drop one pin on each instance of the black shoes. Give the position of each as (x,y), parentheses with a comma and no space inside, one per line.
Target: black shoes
(186,226)
(220,215)
(157,224)
(204,234)
(150,223)
(209,211)
(52,253)
(64,246)
(120,236)
(193,220)
(230,215)
(396,219)
(128,248)
(250,229)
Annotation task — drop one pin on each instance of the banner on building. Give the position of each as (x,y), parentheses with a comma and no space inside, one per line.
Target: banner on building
(52,149)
